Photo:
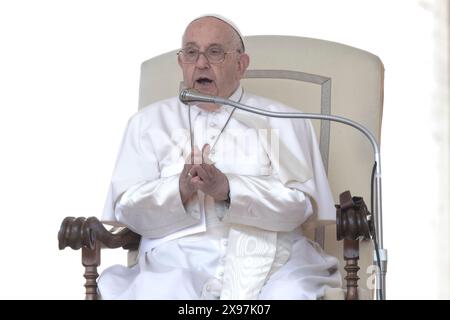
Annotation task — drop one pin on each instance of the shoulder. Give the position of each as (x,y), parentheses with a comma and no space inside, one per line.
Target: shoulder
(268,104)
(156,112)
(160,108)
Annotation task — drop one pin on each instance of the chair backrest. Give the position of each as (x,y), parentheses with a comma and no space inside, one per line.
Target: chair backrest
(329,78)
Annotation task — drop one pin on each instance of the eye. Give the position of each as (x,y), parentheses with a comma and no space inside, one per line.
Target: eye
(190,51)
(215,51)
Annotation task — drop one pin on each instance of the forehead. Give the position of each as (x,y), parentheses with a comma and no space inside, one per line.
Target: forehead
(207,31)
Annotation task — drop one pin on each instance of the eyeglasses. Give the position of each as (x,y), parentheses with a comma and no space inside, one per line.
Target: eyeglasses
(213,54)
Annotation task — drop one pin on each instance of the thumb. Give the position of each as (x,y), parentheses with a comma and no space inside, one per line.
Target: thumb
(205,151)
(194,157)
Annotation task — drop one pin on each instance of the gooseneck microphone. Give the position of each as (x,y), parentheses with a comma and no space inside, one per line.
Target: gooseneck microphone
(191,95)
(380,255)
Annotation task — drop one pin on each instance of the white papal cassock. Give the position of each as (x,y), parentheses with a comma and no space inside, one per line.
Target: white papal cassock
(251,248)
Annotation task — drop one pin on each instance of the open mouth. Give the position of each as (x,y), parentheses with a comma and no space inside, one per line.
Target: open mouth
(203,81)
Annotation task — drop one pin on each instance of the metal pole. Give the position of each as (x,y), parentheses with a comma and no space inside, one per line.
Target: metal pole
(381,273)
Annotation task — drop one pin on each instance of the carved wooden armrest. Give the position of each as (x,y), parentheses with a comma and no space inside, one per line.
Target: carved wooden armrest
(352,225)
(90,235)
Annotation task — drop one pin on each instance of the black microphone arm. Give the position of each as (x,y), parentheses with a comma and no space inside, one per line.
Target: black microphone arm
(190,95)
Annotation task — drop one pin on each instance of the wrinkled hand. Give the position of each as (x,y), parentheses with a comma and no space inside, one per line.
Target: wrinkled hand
(199,173)
(210,180)
(207,178)
(187,188)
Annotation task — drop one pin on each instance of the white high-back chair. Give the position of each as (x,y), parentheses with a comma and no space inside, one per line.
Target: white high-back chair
(312,75)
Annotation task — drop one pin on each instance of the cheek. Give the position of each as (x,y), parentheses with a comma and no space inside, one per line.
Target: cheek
(187,75)
(230,76)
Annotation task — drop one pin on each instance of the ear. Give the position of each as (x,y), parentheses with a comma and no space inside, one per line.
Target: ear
(243,62)
(179,61)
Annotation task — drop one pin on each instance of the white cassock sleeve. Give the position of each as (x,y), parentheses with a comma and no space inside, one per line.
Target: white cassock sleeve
(298,163)
(154,209)
(138,197)
(264,202)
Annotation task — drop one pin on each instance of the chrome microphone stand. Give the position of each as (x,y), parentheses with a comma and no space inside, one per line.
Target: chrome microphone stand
(189,95)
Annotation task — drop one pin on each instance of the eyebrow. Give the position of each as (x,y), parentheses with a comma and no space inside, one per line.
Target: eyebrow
(196,45)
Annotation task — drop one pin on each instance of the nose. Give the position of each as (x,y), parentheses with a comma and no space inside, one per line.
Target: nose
(202,61)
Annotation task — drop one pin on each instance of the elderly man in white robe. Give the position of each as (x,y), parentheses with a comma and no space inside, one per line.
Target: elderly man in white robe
(219,195)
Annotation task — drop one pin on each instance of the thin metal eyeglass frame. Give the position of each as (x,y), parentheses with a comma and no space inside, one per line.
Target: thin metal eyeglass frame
(204,53)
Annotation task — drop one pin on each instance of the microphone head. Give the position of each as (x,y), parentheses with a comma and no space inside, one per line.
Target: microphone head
(184,95)
(191,95)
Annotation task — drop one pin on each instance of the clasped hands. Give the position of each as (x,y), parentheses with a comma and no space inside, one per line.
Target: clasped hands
(199,173)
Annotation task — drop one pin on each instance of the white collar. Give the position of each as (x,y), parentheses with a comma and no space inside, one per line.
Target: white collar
(235,96)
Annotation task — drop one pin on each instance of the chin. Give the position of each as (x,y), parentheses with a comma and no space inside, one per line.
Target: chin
(208,106)
(208,92)
(208,89)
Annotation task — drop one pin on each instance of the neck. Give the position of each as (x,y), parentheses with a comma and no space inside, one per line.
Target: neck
(210,107)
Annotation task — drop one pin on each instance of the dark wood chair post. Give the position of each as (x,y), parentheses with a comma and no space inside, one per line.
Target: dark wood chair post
(351,257)
(90,259)
(90,235)
(352,225)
